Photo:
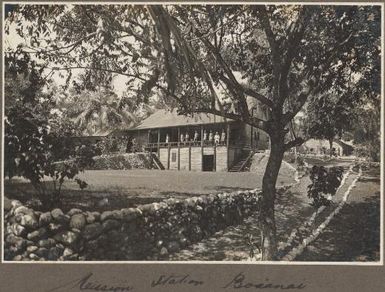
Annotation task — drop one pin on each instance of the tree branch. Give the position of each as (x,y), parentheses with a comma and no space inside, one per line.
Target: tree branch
(268,30)
(263,99)
(252,121)
(293,40)
(275,49)
(302,98)
(296,142)
(70,46)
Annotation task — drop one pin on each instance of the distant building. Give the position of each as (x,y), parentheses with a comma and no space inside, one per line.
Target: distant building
(322,147)
(203,142)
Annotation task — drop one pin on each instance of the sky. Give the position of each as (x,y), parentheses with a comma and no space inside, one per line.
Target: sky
(12,40)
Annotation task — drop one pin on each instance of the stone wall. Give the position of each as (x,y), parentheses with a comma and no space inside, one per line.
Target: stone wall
(122,161)
(149,232)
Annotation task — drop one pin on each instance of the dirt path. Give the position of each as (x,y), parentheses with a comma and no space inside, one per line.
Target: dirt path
(232,244)
(354,233)
(356,238)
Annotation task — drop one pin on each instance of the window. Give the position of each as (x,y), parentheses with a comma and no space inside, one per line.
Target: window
(173,157)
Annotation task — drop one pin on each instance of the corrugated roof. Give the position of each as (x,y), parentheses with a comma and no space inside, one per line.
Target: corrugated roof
(165,118)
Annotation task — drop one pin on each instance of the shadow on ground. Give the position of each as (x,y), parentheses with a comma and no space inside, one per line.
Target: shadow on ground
(235,243)
(353,235)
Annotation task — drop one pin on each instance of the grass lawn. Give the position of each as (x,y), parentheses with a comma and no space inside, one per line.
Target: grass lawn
(126,188)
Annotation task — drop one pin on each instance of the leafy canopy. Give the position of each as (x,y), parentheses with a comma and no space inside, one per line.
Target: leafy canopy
(278,55)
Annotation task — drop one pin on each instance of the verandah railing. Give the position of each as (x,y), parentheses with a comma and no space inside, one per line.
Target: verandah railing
(184,144)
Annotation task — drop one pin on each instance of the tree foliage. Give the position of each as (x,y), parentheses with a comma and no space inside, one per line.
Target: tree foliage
(37,138)
(328,118)
(96,112)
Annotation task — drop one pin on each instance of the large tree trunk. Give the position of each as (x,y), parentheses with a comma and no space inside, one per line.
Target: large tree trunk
(267,219)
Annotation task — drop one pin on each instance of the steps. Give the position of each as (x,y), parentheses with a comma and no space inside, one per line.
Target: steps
(243,163)
(157,162)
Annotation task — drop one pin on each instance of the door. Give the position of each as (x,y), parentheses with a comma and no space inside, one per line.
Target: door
(208,162)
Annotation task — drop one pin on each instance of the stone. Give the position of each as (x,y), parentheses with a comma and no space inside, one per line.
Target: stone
(72,257)
(60,246)
(29,221)
(42,252)
(106,215)
(130,228)
(37,234)
(130,214)
(163,205)
(190,202)
(155,207)
(9,229)
(22,210)
(115,236)
(173,246)
(116,214)
(92,231)
(90,218)
(18,230)
(45,219)
(183,241)
(59,217)
(15,218)
(56,213)
(12,251)
(74,211)
(34,203)
(15,204)
(47,243)
(18,242)
(110,224)
(18,258)
(92,245)
(67,252)
(78,221)
(55,227)
(34,257)
(67,238)
(198,208)
(32,248)
(147,208)
(96,215)
(54,253)
(65,219)
(171,201)
(163,251)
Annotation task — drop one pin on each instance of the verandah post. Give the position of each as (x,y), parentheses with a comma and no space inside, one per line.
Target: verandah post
(227,143)
(158,143)
(179,141)
(202,148)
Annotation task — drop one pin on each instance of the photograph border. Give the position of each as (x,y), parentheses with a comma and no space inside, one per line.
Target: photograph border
(236,263)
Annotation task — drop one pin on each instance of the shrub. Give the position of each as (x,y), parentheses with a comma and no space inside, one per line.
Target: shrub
(323,182)
(368,151)
(111,144)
